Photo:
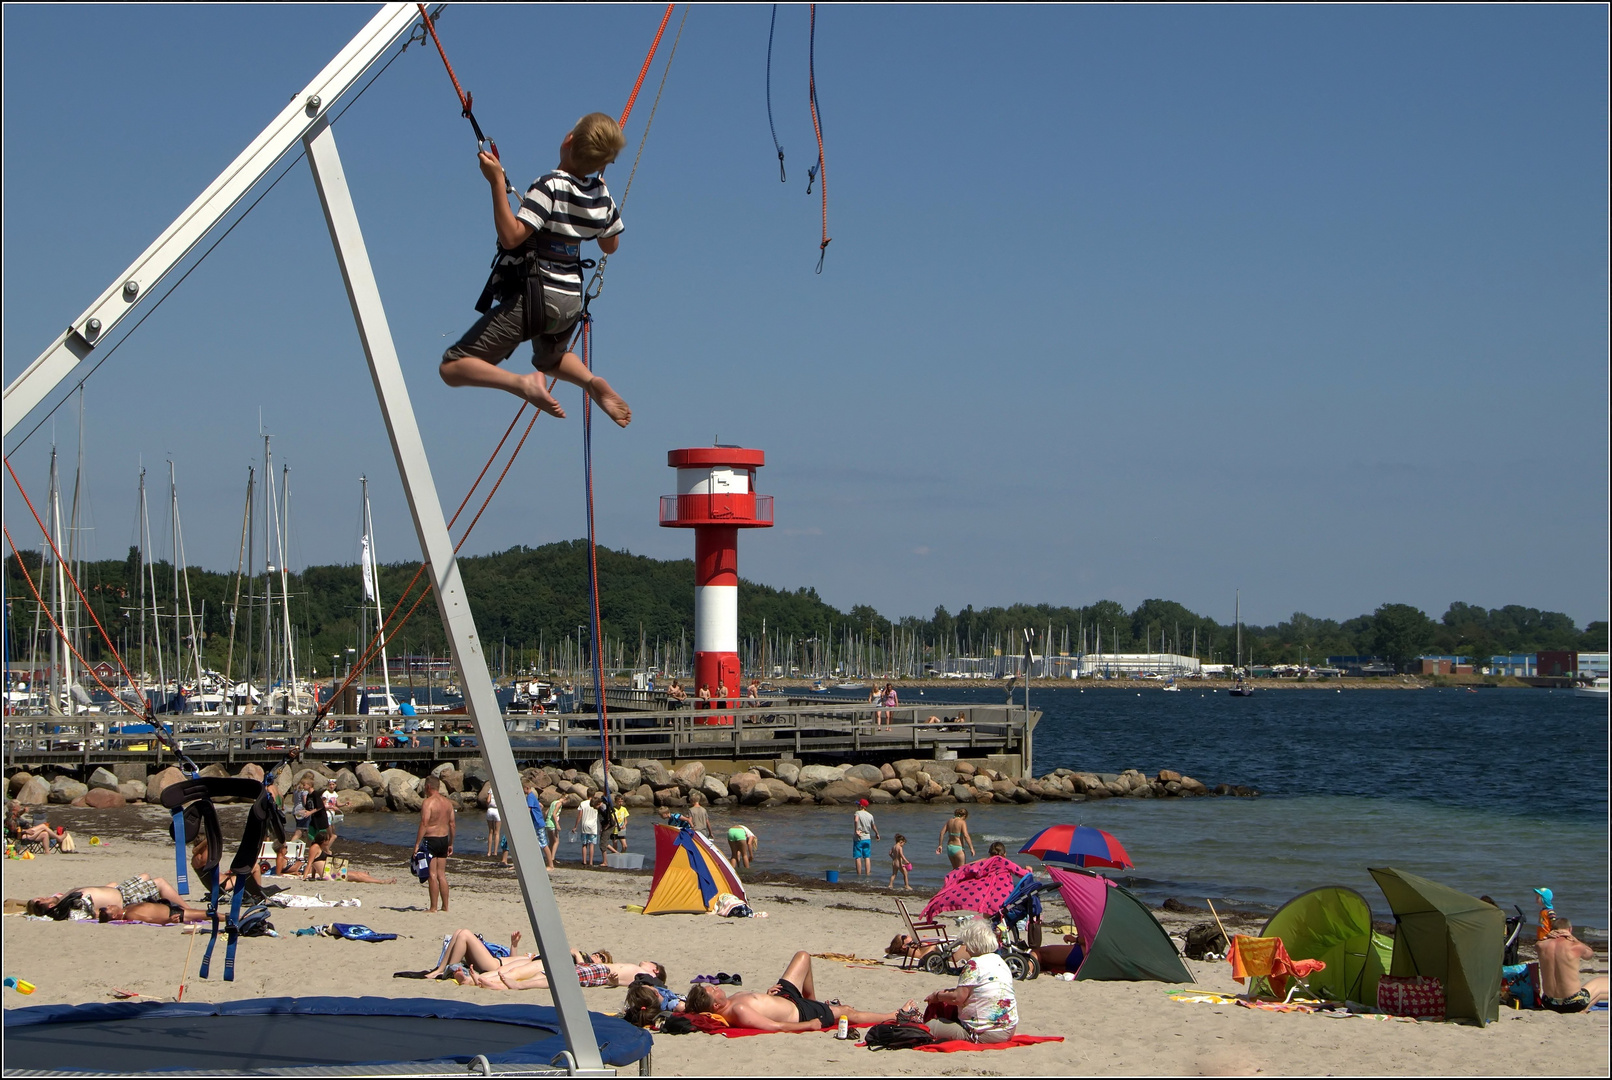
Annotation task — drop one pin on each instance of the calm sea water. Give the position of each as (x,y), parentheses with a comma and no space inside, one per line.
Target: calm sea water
(1494,792)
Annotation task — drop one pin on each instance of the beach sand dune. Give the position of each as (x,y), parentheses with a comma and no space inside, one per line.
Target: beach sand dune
(1124,1028)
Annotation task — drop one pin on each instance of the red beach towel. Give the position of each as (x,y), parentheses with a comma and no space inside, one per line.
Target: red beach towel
(952,1046)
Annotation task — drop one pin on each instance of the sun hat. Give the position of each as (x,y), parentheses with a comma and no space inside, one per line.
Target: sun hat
(1547,898)
(864,802)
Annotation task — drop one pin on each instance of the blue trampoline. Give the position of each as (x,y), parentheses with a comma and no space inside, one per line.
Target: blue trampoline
(278,1035)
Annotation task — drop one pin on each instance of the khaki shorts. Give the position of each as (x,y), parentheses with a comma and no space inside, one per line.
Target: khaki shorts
(497,334)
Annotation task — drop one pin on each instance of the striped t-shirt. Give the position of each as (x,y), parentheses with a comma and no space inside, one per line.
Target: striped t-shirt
(562,205)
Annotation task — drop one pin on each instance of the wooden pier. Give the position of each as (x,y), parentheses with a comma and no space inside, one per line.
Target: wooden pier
(797,730)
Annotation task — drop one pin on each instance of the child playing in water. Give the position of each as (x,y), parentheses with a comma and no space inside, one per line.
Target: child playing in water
(537,276)
(899,863)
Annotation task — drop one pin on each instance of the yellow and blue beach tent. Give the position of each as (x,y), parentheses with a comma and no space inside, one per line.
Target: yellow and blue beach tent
(689,874)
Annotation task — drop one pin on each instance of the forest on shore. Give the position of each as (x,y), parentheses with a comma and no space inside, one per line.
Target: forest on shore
(531,608)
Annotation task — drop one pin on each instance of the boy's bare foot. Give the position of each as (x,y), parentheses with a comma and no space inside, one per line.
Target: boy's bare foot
(610,401)
(535,388)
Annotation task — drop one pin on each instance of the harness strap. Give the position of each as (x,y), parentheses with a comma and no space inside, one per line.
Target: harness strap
(181,869)
(234,927)
(212,939)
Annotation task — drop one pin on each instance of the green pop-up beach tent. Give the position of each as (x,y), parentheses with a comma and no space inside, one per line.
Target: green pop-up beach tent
(1332,924)
(1123,939)
(1451,936)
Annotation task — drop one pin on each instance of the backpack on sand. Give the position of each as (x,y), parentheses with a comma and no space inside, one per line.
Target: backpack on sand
(898,1035)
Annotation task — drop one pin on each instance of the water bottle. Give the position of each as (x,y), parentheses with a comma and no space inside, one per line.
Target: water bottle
(21,986)
(844,1031)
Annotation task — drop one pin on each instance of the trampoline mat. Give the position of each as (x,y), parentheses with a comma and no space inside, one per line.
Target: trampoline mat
(265,1041)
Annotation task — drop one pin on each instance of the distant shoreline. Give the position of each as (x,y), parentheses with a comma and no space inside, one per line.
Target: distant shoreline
(1396,682)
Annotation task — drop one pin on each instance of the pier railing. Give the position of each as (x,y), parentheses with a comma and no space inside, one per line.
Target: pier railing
(767,730)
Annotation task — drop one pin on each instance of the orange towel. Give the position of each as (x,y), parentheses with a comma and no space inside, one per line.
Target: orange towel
(1257,956)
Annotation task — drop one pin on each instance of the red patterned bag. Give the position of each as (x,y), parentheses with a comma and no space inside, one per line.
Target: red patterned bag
(1418,996)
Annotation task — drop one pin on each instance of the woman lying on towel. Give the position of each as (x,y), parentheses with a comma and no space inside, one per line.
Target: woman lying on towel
(983,1007)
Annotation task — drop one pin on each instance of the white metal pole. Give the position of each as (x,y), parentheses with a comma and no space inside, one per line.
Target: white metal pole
(458,625)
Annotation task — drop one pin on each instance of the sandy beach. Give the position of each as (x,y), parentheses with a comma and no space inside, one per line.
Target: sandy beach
(1108,1026)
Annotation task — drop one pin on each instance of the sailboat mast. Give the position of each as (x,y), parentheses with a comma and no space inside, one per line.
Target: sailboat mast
(149,580)
(57,653)
(75,554)
(1239,661)
(235,607)
(372,577)
(268,573)
(173,531)
(285,585)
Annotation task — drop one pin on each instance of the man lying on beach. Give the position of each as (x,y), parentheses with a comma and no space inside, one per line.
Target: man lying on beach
(787,1005)
(1561,985)
(112,899)
(531,974)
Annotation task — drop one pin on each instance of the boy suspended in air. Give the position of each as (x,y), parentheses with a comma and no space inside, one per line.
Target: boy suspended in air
(536,283)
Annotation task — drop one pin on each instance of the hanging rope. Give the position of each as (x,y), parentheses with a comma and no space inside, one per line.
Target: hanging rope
(770,125)
(820,171)
(593,571)
(653,45)
(466,101)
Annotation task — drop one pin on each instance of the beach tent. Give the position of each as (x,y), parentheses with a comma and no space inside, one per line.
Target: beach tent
(1332,924)
(689,873)
(1450,936)
(1123,940)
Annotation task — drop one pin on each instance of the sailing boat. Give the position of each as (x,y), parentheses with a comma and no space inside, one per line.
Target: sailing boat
(373,702)
(1242,689)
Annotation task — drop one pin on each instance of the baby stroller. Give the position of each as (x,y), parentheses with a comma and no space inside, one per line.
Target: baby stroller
(1016,919)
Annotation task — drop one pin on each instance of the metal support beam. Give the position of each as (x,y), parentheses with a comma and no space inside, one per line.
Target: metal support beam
(437,548)
(131,287)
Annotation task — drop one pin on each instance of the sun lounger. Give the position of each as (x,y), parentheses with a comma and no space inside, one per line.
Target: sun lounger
(923,933)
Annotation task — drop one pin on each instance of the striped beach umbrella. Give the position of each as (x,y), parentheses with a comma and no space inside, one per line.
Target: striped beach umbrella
(1077,845)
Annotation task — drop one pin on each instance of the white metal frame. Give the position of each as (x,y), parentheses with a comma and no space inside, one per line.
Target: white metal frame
(306,120)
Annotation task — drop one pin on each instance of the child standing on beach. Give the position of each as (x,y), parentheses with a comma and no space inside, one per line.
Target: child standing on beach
(899,863)
(536,281)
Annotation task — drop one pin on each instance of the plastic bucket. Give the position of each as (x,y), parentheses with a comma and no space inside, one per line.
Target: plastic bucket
(833,876)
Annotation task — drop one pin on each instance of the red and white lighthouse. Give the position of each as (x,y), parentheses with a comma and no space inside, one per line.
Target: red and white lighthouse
(716,497)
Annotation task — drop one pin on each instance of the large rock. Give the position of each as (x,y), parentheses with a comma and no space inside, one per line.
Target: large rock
(453,781)
(878,795)
(250,771)
(1055,794)
(596,772)
(104,779)
(369,775)
(1021,795)
(964,792)
(909,767)
(102,799)
(403,791)
(945,777)
(1196,787)
(392,777)
(1166,775)
(477,774)
(625,777)
(690,774)
(982,782)
(642,797)
(1003,787)
(759,793)
(18,779)
(868,774)
(654,773)
(672,797)
(814,777)
(781,791)
(741,784)
(844,791)
(931,790)
(788,772)
(354,801)
(891,785)
(133,790)
(215,771)
(347,780)
(888,771)
(910,784)
(64,789)
(963,768)
(714,788)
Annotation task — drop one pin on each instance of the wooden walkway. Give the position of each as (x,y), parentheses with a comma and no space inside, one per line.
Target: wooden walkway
(803,730)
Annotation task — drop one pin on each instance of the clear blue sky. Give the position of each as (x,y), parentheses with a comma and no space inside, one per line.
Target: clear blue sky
(1122,301)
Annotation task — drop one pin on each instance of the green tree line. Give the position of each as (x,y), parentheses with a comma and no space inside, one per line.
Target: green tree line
(525,596)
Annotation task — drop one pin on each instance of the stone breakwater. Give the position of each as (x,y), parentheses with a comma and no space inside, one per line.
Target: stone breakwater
(644,783)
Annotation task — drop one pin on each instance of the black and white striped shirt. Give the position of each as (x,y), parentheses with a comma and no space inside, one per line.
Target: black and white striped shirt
(562,206)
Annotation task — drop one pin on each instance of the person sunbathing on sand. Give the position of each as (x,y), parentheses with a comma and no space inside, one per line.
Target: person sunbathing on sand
(788,1005)
(531,975)
(466,948)
(158,913)
(111,898)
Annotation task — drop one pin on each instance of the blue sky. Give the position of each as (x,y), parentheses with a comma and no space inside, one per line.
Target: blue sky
(1122,301)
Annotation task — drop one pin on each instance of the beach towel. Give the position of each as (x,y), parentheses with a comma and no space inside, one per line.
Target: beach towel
(356,932)
(1267,956)
(296,900)
(952,1046)
(712,1024)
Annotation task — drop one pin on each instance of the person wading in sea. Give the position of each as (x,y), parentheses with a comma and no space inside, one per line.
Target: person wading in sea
(436,836)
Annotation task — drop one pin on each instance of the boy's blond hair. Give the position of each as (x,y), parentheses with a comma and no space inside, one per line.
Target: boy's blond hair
(595,141)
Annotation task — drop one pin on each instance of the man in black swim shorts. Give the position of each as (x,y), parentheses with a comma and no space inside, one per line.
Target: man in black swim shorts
(788,1005)
(436,836)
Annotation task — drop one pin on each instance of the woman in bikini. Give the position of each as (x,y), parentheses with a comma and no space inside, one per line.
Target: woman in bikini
(953,835)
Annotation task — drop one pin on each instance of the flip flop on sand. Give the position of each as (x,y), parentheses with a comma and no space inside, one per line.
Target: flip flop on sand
(411,974)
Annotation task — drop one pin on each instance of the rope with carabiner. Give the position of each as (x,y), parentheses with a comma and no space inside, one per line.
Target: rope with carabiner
(820,170)
(466,101)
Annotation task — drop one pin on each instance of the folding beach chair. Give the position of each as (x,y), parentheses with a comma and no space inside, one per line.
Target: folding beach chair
(1254,957)
(294,850)
(923,934)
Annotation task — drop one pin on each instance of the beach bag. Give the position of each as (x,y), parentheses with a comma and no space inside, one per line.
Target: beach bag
(1203,939)
(255,923)
(420,864)
(899,1035)
(1420,997)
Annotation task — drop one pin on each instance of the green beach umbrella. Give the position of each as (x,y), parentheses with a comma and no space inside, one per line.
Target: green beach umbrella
(1451,936)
